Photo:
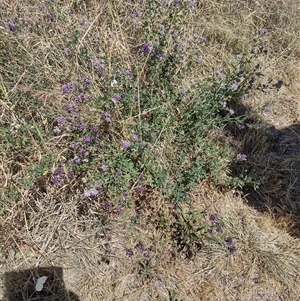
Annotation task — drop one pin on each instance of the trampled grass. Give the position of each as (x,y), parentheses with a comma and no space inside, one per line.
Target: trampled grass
(147,149)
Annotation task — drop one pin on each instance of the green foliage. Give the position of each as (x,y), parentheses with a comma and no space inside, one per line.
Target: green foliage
(145,268)
(133,129)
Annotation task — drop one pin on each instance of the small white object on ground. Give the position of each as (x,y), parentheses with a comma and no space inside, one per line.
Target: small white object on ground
(40,283)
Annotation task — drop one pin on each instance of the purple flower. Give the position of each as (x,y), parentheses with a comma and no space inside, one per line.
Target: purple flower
(146,48)
(56,180)
(74,145)
(93,191)
(11,26)
(71,174)
(80,125)
(48,15)
(242,157)
(56,130)
(90,192)
(128,73)
(182,91)
(157,54)
(82,97)
(142,247)
(129,253)
(138,189)
(192,3)
(174,32)
(41,7)
(232,250)
(107,206)
(219,229)
(105,116)
(75,160)
(82,151)
(176,3)
(116,98)
(86,193)
(213,218)
(68,51)
(125,195)
(71,107)
(104,167)
(60,120)
(149,145)
(229,241)
(96,137)
(184,101)
(86,139)
(58,171)
(87,82)
(118,210)
(67,88)
(95,128)
(125,144)
(134,137)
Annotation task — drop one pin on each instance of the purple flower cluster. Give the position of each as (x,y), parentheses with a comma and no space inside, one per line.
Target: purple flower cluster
(58,175)
(143,250)
(87,82)
(128,73)
(125,144)
(116,97)
(90,192)
(230,245)
(67,88)
(68,51)
(129,253)
(146,48)
(157,54)
(106,116)
(86,139)
(241,157)
(81,97)
(11,26)
(104,167)
(71,107)
(214,224)
(60,120)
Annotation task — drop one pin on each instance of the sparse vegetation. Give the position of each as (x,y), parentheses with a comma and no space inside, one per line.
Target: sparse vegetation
(130,132)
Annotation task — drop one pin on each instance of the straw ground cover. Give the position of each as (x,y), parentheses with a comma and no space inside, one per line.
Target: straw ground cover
(128,131)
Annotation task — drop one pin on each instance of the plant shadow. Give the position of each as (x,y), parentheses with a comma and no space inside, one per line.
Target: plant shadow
(273,161)
(22,285)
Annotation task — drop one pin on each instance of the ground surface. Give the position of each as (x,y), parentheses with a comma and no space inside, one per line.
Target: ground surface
(47,229)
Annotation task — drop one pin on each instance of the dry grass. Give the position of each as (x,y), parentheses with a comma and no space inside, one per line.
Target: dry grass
(95,264)
(49,228)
